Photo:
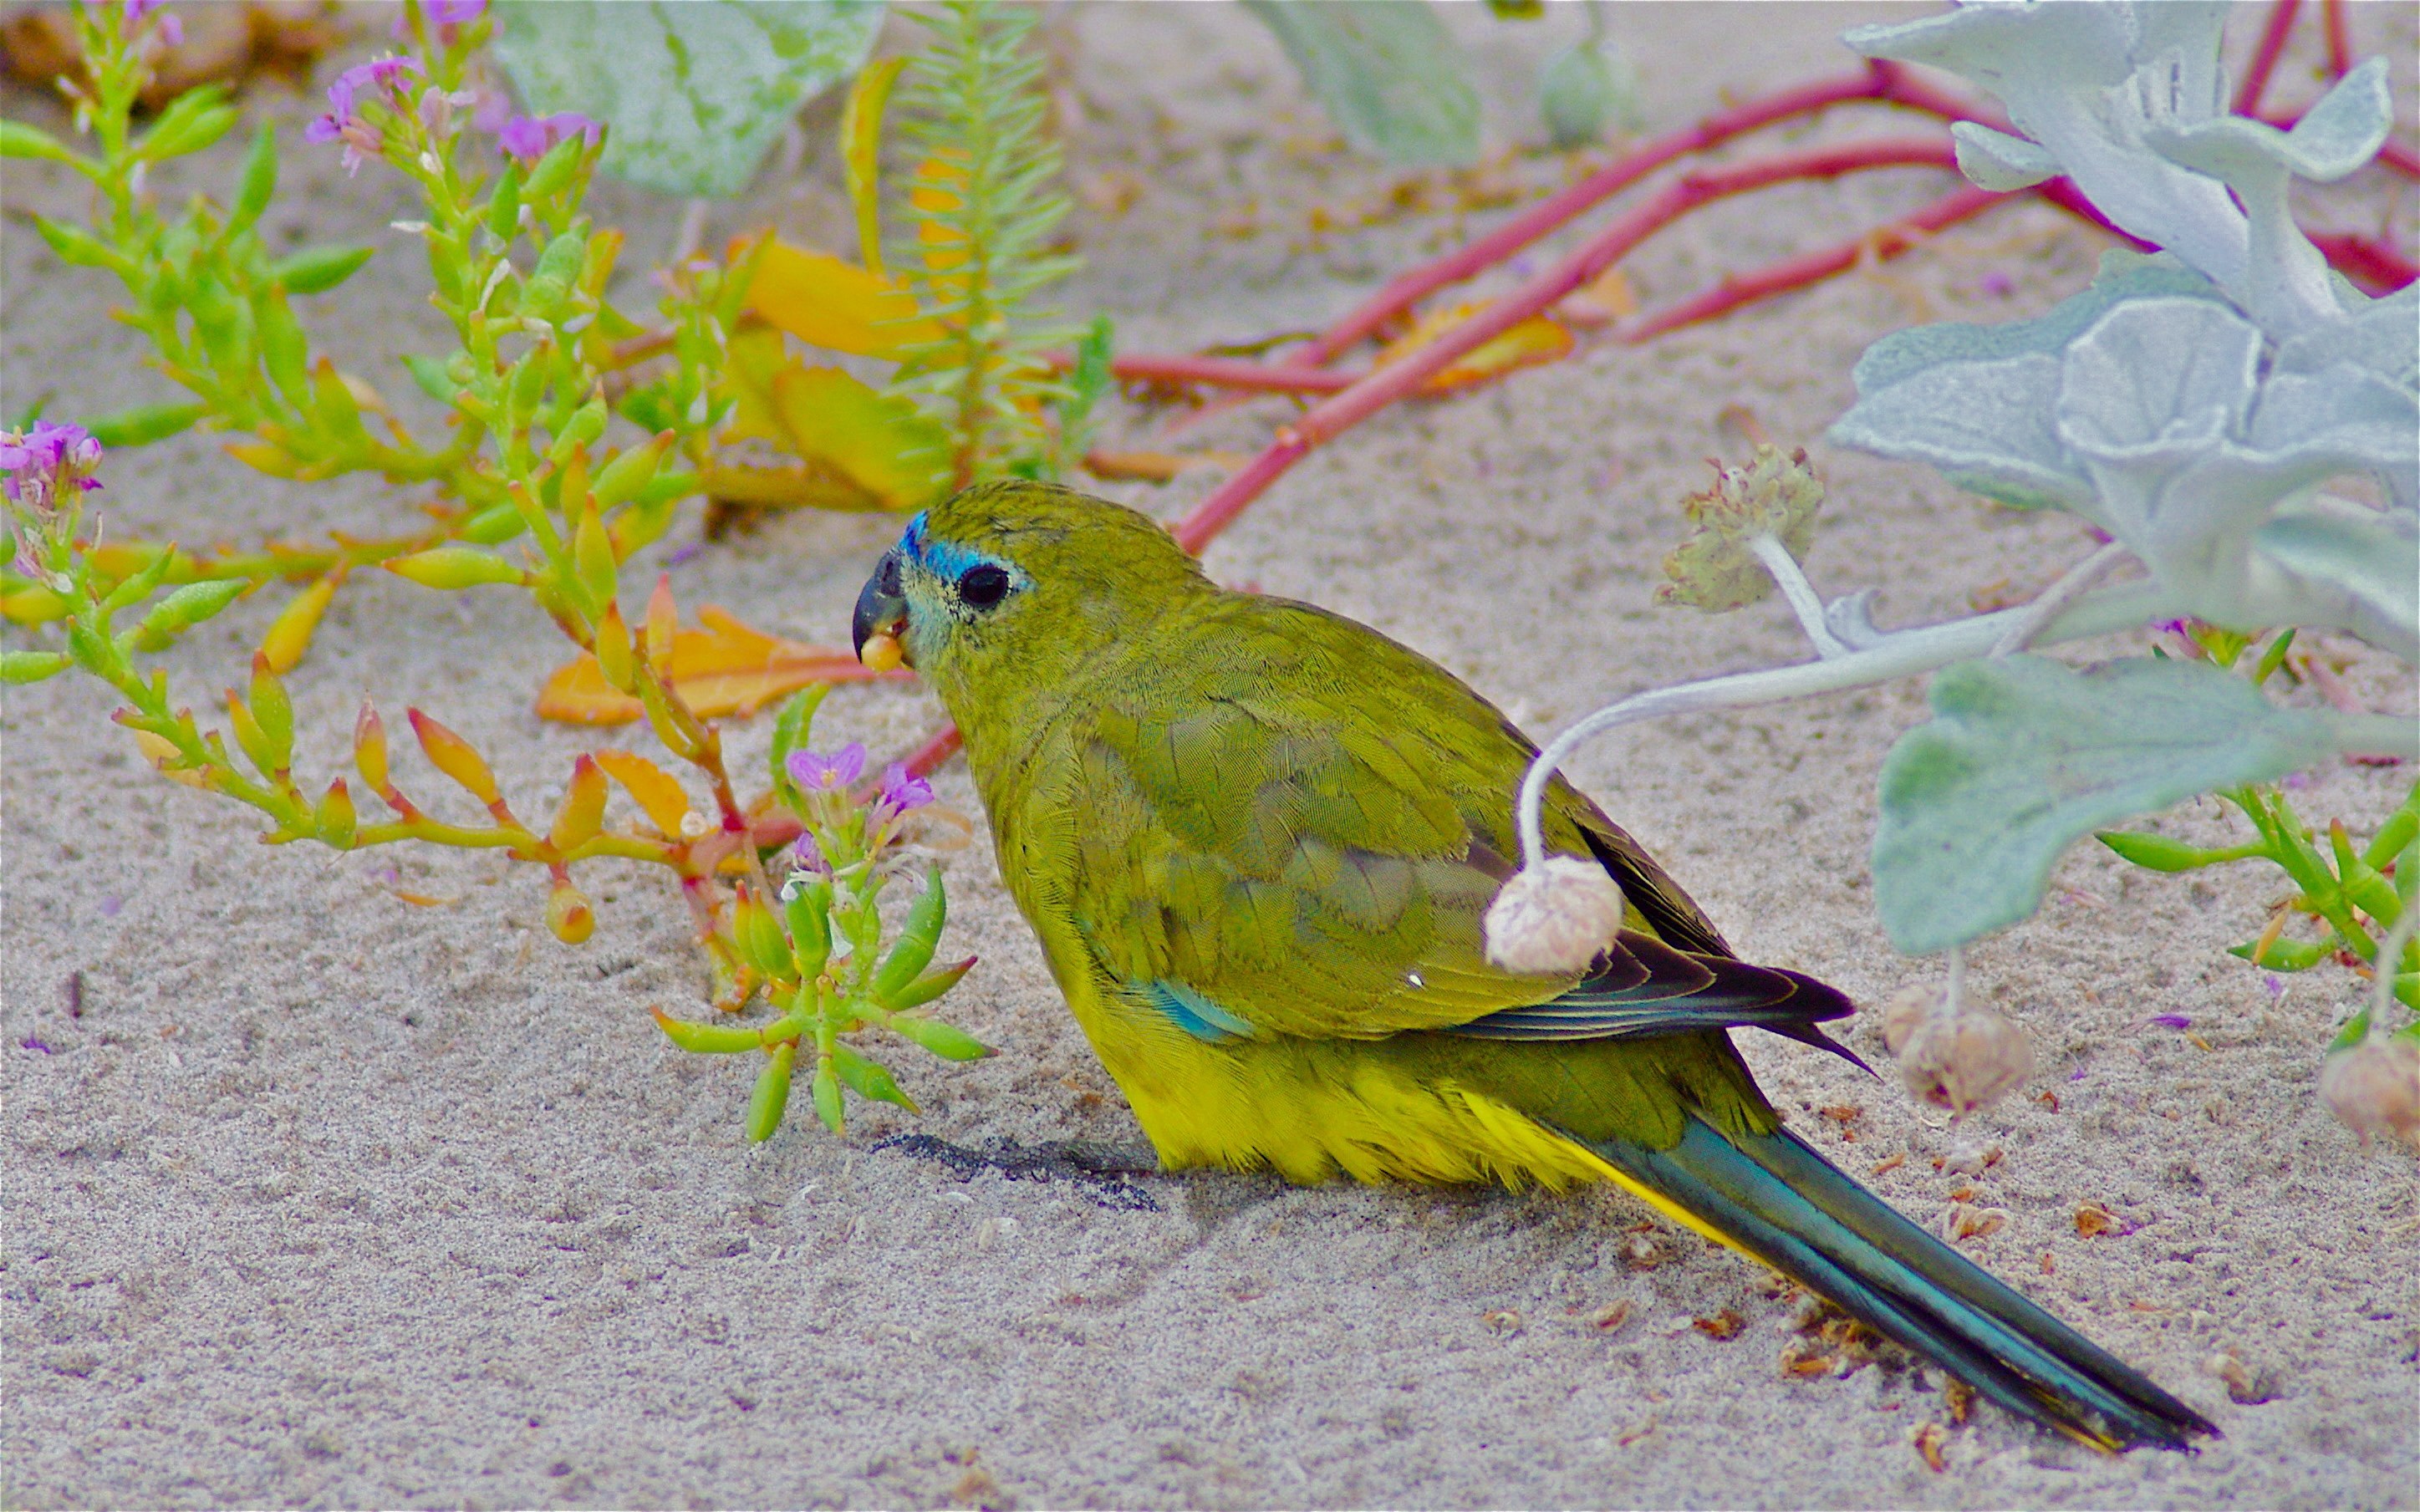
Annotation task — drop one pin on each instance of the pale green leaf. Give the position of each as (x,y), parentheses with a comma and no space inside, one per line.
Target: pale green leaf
(2024,756)
(1385,71)
(695,93)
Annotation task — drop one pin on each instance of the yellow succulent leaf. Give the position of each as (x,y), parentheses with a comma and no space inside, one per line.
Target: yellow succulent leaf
(837,305)
(860,134)
(1537,339)
(655,789)
(722,666)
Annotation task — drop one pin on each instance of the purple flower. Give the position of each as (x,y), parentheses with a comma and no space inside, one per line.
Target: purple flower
(43,462)
(529,138)
(2172,1020)
(902,789)
(807,855)
(444,15)
(822,773)
(343,123)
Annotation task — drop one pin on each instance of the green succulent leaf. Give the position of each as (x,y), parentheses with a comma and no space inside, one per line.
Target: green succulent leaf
(2024,756)
(694,94)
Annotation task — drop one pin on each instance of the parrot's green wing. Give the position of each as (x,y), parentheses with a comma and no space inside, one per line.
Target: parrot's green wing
(1293,824)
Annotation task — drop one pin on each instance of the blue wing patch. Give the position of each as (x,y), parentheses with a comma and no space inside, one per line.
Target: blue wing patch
(1195,1014)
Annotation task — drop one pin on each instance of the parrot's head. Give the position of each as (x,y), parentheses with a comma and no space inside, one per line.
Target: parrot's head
(1016,585)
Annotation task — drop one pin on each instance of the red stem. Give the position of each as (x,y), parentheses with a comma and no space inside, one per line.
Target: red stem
(1887,241)
(1879,80)
(2331,13)
(1227,372)
(1379,389)
(2264,58)
(2367,260)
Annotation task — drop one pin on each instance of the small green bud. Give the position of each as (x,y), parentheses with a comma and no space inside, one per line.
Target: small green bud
(260,181)
(258,748)
(587,424)
(2282,954)
(561,260)
(271,708)
(807,906)
(140,584)
(2158,852)
(505,205)
(758,937)
(316,270)
(432,378)
(827,1094)
(193,121)
(31,666)
(184,608)
(76,246)
(451,567)
(790,731)
(556,169)
(943,1040)
(91,650)
(144,423)
(642,525)
(917,937)
(18,140)
(493,526)
(621,479)
(868,1079)
(929,986)
(334,818)
(771,1098)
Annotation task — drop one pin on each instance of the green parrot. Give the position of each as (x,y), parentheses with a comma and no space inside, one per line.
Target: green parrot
(1257,840)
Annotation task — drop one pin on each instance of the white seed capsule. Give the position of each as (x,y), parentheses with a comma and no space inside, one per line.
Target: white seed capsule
(2374,1087)
(1955,1056)
(1553,919)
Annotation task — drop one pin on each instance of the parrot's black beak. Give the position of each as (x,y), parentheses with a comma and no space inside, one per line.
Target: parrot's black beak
(881,614)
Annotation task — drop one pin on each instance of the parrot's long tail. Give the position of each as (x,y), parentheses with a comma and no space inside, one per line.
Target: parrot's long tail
(1774,1196)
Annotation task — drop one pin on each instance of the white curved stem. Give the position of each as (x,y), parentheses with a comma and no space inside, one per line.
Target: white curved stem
(1902,655)
(2048,604)
(1804,601)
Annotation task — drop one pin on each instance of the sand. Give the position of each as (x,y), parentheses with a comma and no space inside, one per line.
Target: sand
(322,1198)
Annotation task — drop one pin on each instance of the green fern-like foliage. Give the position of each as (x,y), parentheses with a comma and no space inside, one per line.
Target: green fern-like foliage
(982,198)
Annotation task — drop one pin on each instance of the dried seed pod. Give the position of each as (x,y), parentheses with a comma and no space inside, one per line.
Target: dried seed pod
(1955,1056)
(1554,918)
(2374,1087)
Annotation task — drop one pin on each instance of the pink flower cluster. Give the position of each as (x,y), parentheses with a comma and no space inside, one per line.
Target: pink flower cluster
(45,462)
(343,123)
(528,138)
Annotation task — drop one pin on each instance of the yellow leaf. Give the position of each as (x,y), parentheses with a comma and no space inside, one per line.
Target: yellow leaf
(1603,299)
(724,667)
(656,791)
(1537,339)
(837,305)
(848,447)
(860,134)
(289,634)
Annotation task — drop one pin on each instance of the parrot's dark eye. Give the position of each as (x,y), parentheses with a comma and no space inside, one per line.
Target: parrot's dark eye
(982,586)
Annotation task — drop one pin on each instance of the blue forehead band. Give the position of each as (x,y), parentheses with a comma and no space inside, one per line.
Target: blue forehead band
(942,558)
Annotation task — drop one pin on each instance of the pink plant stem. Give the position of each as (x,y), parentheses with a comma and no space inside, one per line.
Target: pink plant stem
(1885,242)
(1228,373)
(2367,260)
(2332,14)
(1878,82)
(2264,58)
(1374,392)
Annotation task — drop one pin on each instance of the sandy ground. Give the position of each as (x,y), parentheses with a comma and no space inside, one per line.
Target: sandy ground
(322,1198)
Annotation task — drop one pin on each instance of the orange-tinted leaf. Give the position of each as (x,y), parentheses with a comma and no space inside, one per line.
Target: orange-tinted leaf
(724,667)
(838,305)
(935,194)
(1603,299)
(289,634)
(1537,339)
(656,791)
(846,446)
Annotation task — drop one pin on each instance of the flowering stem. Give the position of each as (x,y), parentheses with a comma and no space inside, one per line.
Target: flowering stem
(2053,601)
(1804,601)
(1902,653)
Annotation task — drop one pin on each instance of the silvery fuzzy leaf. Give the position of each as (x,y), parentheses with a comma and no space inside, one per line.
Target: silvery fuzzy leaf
(1998,162)
(1979,402)
(2364,566)
(1990,426)
(2086,82)
(2382,336)
(2338,135)
(695,93)
(2357,418)
(2024,756)
(2158,373)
